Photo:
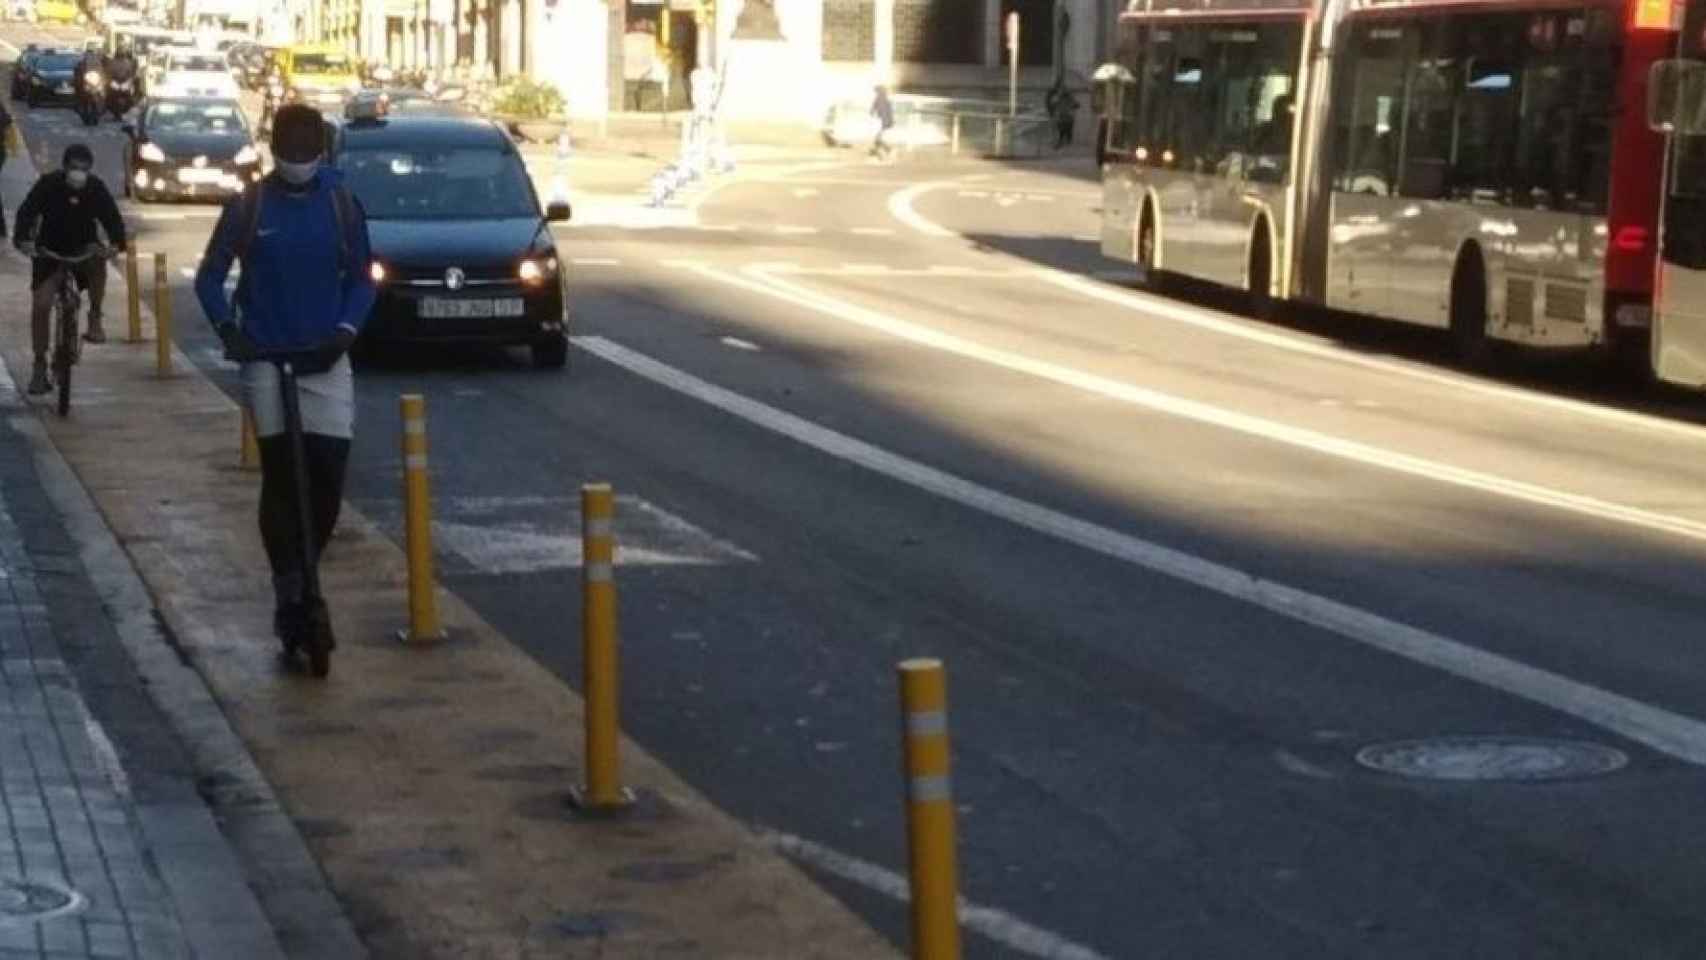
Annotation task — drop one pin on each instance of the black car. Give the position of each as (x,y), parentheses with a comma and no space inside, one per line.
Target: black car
(21,71)
(189,147)
(462,252)
(53,79)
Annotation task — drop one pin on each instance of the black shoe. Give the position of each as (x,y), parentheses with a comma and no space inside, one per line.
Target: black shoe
(317,638)
(290,625)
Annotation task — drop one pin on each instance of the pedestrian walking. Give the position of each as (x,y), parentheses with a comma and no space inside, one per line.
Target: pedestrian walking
(882,108)
(5,141)
(1063,107)
(301,238)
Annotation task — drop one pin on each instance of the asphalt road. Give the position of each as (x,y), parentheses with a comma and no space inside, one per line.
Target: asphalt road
(1183,568)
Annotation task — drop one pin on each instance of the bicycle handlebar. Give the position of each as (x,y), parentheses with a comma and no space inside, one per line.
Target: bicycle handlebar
(93,251)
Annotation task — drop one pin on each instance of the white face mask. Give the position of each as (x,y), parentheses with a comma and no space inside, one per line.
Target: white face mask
(76,178)
(297,174)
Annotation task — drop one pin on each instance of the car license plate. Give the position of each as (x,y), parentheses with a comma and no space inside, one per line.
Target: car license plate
(439,308)
(63,88)
(200,176)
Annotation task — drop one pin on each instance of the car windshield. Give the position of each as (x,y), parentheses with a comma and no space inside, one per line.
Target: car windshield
(199,64)
(58,63)
(433,183)
(321,63)
(204,118)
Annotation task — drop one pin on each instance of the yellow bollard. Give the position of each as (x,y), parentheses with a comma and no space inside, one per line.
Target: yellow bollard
(249,455)
(417,511)
(162,318)
(929,811)
(603,789)
(133,293)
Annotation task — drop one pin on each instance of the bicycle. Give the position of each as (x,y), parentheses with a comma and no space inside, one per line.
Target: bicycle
(67,346)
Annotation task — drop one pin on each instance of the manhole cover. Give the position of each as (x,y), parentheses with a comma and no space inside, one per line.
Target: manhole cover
(35,900)
(1492,758)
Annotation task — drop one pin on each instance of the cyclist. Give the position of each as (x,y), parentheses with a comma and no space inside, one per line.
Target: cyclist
(302,240)
(60,214)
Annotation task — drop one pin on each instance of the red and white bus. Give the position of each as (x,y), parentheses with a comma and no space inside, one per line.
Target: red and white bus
(1482,166)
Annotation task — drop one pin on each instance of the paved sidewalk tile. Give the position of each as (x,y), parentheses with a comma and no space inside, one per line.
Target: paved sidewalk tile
(73,879)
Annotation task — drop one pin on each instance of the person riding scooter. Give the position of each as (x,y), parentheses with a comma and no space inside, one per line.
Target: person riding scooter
(91,83)
(122,83)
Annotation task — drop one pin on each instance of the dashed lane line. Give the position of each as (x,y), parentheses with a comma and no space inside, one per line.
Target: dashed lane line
(1669,733)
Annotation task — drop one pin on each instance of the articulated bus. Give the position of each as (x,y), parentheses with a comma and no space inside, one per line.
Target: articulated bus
(1486,167)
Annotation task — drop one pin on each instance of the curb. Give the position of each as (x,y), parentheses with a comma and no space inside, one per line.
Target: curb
(208,852)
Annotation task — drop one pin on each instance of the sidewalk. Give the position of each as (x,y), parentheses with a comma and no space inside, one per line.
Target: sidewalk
(105,849)
(429,782)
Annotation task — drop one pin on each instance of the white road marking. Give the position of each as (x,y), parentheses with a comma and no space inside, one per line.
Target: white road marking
(721,227)
(997,925)
(504,535)
(873,231)
(1173,310)
(900,207)
(1233,420)
(595,262)
(805,191)
(106,755)
(1669,733)
(740,344)
(795,230)
(975,194)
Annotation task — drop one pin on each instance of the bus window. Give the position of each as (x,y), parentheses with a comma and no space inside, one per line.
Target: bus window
(1253,119)
(1125,105)
(1430,121)
(1374,91)
(1487,109)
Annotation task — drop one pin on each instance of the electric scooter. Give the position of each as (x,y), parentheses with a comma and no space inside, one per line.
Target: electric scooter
(317,638)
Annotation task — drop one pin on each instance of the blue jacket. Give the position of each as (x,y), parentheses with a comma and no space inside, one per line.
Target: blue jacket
(294,291)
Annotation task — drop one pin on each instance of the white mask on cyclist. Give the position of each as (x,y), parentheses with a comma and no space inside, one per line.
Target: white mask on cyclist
(76,178)
(297,174)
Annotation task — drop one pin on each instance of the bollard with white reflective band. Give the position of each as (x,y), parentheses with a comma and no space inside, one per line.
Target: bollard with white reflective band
(929,811)
(417,527)
(603,790)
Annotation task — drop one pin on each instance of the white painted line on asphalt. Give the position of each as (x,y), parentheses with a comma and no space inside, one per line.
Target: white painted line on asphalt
(1317,347)
(1200,412)
(1669,733)
(595,261)
(795,230)
(106,755)
(740,344)
(900,207)
(996,925)
(805,191)
(720,227)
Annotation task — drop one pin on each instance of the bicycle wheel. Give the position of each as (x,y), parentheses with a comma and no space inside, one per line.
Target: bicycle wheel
(67,341)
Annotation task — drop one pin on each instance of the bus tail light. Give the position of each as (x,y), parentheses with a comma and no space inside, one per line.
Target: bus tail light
(1656,15)
(1630,240)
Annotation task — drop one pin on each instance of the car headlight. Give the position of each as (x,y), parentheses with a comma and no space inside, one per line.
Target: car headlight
(152,153)
(533,270)
(92,78)
(376,270)
(246,155)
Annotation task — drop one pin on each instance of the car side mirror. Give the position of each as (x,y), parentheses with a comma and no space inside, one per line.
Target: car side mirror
(557,211)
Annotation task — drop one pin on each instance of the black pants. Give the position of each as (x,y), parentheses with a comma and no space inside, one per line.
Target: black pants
(327,459)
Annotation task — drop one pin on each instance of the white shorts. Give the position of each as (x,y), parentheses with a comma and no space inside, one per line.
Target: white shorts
(327,400)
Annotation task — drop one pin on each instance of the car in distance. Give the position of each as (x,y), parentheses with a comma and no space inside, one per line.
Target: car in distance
(183,147)
(52,79)
(462,252)
(189,73)
(322,77)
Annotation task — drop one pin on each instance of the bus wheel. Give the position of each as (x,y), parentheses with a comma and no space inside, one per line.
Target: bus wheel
(1469,309)
(1151,277)
(1261,298)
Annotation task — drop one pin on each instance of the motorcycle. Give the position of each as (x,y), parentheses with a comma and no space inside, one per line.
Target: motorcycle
(121,96)
(89,99)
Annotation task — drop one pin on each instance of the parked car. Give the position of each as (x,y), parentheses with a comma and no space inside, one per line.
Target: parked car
(462,251)
(185,148)
(52,79)
(190,73)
